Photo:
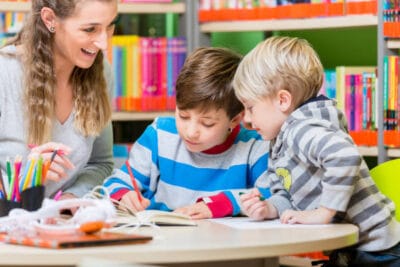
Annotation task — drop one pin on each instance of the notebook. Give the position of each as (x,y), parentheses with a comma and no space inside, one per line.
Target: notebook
(72,241)
(158,217)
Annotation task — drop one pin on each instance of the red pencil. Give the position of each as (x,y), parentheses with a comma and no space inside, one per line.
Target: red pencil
(133,180)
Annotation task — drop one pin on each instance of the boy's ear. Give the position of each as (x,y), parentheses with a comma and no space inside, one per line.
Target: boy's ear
(237,119)
(48,17)
(285,100)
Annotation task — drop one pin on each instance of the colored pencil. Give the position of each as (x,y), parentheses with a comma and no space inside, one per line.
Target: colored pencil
(135,186)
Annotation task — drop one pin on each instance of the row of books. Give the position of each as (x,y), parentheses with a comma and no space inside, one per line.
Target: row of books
(221,4)
(11,22)
(145,70)
(354,88)
(391,94)
(391,18)
(146,1)
(281,9)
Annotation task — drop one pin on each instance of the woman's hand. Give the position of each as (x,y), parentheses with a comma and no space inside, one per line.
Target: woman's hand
(55,157)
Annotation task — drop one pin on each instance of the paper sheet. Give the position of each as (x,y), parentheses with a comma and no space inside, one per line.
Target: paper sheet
(248,223)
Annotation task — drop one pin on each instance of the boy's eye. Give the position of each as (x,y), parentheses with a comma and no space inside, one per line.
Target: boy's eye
(183,117)
(208,125)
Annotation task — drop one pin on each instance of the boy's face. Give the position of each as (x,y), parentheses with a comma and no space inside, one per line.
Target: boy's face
(265,116)
(201,130)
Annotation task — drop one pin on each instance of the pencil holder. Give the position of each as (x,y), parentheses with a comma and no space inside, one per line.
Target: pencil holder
(7,205)
(32,198)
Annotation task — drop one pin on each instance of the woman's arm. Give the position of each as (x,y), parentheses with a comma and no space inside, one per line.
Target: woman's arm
(98,167)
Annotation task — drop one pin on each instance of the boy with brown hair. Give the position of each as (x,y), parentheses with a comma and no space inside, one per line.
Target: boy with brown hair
(316,171)
(199,161)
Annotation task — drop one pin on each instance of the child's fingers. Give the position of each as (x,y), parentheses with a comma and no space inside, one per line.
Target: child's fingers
(134,201)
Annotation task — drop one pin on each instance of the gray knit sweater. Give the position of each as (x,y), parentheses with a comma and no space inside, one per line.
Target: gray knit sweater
(314,162)
(92,156)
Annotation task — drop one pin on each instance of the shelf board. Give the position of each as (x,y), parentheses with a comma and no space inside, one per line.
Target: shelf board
(393,43)
(373,151)
(15,6)
(152,8)
(369,151)
(139,116)
(290,24)
(122,8)
(394,152)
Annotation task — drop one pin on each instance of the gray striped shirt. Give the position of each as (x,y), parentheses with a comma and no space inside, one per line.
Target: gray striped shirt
(314,162)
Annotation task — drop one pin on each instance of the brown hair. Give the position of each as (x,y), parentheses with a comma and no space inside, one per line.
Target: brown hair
(205,81)
(90,94)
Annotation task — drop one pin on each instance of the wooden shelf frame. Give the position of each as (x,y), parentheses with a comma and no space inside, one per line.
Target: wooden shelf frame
(122,7)
(393,43)
(290,24)
(139,116)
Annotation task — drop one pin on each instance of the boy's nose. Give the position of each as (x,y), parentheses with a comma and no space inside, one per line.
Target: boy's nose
(247,121)
(192,131)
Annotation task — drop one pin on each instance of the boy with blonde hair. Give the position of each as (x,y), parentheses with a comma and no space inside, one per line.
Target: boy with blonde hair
(198,162)
(317,173)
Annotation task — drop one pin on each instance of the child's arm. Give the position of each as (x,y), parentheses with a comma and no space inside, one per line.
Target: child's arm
(321,215)
(200,210)
(120,184)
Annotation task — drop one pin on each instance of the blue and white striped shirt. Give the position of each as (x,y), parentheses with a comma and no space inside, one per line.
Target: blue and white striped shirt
(170,176)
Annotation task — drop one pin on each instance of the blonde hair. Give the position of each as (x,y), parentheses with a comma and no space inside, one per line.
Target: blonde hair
(90,94)
(279,63)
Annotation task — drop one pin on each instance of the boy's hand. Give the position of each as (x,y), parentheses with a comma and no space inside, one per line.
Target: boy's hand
(199,210)
(131,201)
(318,216)
(256,207)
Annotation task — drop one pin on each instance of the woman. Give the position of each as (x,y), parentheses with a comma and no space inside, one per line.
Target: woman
(54,92)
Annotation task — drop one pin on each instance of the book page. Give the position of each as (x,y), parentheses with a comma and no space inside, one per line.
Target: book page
(157,217)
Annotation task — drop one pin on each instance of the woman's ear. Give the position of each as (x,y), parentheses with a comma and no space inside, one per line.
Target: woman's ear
(49,18)
(285,100)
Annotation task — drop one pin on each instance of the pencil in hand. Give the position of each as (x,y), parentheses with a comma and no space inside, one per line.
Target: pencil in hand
(133,180)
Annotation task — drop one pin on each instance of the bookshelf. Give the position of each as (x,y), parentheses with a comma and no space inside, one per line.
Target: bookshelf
(385,47)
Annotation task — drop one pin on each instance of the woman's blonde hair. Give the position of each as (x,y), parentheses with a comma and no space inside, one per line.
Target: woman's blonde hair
(278,63)
(91,100)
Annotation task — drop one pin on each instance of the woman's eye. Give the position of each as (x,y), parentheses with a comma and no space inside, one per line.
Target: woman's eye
(91,29)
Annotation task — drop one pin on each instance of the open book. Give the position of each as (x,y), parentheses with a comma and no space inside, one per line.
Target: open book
(158,217)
